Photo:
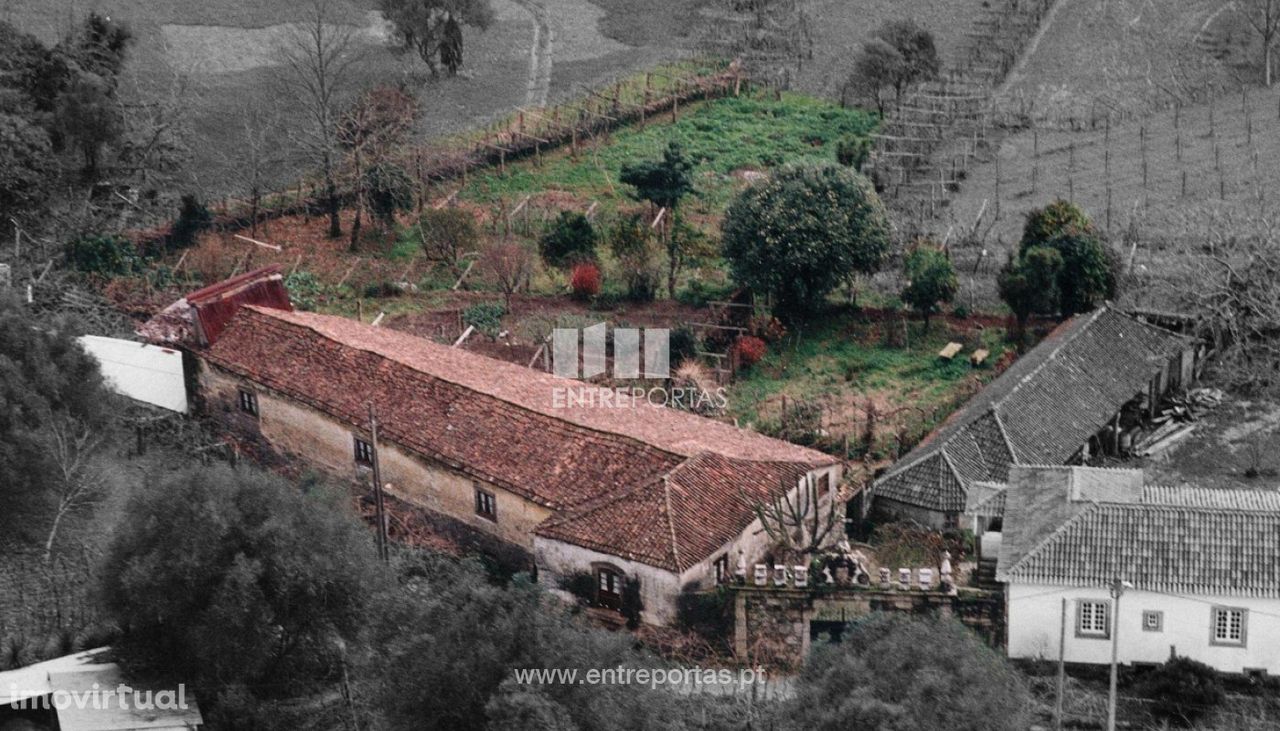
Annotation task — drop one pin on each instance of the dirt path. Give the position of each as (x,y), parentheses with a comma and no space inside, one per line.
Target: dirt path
(538,86)
(1015,74)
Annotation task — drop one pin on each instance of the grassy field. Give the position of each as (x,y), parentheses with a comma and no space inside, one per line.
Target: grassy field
(851,361)
(726,138)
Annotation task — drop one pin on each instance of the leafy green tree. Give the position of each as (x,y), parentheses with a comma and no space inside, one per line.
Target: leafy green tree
(233,578)
(570,240)
(433,28)
(448,643)
(804,231)
(664,183)
(1028,284)
(193,218)
(892,672)
(28,168)
(931,281)
(89,117)
(1090,271)
(46,378)
(900,53)
(100,46)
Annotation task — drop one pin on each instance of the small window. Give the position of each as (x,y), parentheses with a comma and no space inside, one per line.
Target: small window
(1152,621)
(824,483)
(364,452)
(609,593)
(1092,619)
(951,521)
(486,505)
(1229,626)
(249,402)
(722,569)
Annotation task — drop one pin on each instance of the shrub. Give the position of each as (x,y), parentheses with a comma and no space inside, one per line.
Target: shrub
(749,350)
(581,584)
(570,240)
(852,151)
(193,217)
(632,605)
(447,233)
(585,280)
(485,317)
(390,191)
(103,254)
(683,344)
(802,233)
(632,246)
(305,290)
(707,613)
(1183,690)
(1053,220)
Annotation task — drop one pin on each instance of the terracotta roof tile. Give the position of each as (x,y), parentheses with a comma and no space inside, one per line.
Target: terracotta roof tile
(682,518)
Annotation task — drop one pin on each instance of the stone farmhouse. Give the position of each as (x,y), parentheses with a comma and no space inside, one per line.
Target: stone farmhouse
(1054,405)
(1201,566)
(634,493)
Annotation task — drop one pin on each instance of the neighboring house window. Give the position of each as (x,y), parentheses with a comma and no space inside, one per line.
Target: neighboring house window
(722,569)
(951,521)
(609,588)
(364,452)
(1092,618)
(1152,621)
(486,505)
(249,402)
(1229,626)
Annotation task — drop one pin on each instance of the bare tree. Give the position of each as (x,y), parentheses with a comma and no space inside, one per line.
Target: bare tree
(318,59)
(378,121)
(1264,17)
(71,446)
(510,264)
(797,519)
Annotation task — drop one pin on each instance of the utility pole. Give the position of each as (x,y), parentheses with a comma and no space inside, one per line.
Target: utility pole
(1117,589)
(1062,668)
(383,552)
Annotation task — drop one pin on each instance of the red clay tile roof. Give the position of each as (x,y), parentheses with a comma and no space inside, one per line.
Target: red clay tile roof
(200,317)
(484,417)
(681,519)
(1040,410)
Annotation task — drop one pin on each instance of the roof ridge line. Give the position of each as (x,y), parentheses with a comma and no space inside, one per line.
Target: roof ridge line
(1008,443)
(522,407)
(671,524)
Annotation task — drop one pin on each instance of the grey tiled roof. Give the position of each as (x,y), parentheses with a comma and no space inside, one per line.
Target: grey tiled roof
(1174,540)
(1039,411)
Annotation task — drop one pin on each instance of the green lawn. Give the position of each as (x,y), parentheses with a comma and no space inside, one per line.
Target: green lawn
(721,136)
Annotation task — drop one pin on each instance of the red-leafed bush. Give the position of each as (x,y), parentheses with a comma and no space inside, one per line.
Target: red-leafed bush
(585,280)
(750,350)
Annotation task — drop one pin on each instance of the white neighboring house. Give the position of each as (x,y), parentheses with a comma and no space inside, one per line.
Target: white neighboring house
(151,374)
(1204,565)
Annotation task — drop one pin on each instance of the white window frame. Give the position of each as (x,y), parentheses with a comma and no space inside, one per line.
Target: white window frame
(1152,626)
(1221,629)
(1087,624)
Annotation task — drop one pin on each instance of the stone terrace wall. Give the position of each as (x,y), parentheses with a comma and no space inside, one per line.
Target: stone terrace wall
(772,626)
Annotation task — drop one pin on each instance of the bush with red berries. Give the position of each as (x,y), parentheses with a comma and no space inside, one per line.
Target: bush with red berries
(584,280)
(749,350)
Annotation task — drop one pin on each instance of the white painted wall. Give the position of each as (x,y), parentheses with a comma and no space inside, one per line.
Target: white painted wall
(658,587)
(147,373)
(1034,628)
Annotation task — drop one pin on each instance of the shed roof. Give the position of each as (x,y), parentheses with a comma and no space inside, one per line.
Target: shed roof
(1039,411)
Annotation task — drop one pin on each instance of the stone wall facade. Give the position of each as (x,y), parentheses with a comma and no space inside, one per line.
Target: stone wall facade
(774,626)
